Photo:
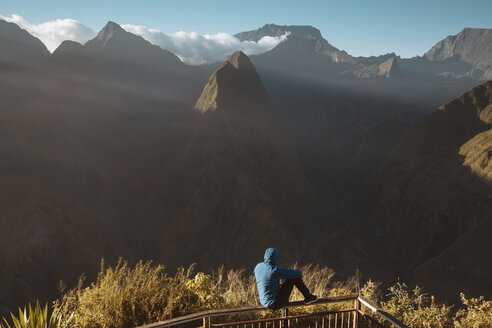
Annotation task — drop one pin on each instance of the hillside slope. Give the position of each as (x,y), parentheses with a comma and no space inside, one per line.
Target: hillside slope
(432,197)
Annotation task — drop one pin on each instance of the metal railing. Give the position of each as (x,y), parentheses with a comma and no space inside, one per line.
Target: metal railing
(351,317)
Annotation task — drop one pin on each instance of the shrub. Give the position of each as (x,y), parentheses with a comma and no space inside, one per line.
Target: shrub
(209,296)
(415,308)
(477,314)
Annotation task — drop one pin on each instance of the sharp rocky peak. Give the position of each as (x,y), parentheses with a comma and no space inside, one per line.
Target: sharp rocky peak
(235,85)
(240,61)
(110,30)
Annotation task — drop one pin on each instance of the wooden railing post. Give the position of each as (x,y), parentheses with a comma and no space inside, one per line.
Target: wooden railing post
(284,313)
(206,322)
(356,313)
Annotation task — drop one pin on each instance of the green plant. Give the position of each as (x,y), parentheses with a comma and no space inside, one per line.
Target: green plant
(37,318)
(372,291)
(210,296)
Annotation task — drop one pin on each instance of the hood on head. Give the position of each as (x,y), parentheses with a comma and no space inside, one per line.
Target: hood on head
(271,256)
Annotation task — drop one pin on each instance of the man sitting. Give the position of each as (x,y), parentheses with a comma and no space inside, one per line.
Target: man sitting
(274,295)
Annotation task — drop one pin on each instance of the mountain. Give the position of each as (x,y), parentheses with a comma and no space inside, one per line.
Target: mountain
(115,148)
(430,201)
(72,59)
(471,45)
(19,48)
(464,56)
(77,145)
(116,43)
(69,48)
(232,86)
(388,69)
(368,61)
(308,34)
(130,60)
(301,31)
(236,185)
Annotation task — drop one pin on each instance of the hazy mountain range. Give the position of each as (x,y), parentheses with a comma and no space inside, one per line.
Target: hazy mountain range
(117,148)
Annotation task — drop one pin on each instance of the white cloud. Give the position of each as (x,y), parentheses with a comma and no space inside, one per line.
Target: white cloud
(196,49)
(53,33)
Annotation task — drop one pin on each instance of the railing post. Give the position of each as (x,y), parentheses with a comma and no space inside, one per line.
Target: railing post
(356,313)
(206,322)
(284,312)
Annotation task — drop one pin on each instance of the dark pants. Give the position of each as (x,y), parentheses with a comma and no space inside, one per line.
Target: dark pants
(285,291)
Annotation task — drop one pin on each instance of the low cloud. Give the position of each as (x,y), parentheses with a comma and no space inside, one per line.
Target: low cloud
(195,49)
(54,32)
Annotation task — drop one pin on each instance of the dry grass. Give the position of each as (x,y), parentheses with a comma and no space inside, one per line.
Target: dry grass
(126,297)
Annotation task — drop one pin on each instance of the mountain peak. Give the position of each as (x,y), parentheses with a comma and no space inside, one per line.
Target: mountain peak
(109,30)
(234,86)
(471,45)
(240,61)
(304,32)
(304,36)
(69,47)
(390,68)
(114,42)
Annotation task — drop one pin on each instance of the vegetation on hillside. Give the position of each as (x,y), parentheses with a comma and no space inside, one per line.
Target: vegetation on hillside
(126,296)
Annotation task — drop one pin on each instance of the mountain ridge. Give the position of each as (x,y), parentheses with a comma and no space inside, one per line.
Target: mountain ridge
(432,194)
(19,47)
(114,42)
(471,45)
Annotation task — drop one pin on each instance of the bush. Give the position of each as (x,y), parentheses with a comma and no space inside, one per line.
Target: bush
(477,314)
(209,296)
(416,309)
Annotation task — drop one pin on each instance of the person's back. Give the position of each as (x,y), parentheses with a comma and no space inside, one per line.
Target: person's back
(268,276)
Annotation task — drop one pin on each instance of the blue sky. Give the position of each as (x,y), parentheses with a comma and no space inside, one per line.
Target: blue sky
(360,27)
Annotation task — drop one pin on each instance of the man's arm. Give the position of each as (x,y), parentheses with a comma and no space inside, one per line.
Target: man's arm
(284,273)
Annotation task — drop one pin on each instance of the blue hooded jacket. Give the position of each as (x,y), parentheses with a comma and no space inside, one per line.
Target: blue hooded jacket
(268,276)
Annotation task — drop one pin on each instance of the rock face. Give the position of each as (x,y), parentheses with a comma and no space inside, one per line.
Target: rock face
(434,198)
(232,86)
(19,48)
(472,46)
(236,185)
(390,69)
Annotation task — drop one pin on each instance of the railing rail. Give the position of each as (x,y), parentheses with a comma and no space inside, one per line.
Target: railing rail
(206,316)
(385,315)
